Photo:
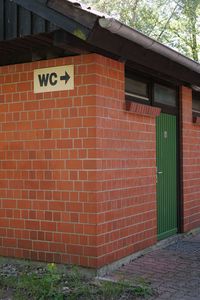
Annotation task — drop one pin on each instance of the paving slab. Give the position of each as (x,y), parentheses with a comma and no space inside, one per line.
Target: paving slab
(173,271)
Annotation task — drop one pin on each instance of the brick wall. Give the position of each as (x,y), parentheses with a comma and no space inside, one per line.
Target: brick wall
(47,206)
(126,186)
(191,163)
(77,180)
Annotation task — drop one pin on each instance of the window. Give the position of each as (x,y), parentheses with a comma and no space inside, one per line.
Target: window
(136,90)
(164,95)
(196,103)
(149,92)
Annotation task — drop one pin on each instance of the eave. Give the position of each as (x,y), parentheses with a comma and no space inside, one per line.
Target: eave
(57,28)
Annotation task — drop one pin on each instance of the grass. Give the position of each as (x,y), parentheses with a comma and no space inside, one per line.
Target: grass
(49,282)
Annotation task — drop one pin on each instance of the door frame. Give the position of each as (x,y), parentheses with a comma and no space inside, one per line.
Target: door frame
(166,197)
(176,110)
(179,153)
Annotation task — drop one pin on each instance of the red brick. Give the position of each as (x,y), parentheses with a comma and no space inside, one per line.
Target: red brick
(25,244)
(57,123)
(48,226)
(74,165)
(34,225)
(10,88)
(191,157)
(9,242)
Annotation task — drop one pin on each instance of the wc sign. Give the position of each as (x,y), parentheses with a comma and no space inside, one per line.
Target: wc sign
(54,79)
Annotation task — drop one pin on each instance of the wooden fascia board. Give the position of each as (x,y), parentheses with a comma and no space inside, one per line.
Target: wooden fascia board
(78,14)
(56,18)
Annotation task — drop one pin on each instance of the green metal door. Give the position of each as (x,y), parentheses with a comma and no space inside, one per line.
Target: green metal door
(166,147)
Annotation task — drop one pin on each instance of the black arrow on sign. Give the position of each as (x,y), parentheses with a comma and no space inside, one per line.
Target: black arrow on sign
(65,77)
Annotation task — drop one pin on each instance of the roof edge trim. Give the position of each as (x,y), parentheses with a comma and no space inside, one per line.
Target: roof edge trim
(137,37)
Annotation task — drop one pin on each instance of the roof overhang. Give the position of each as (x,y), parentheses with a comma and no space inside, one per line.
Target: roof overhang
(79,29)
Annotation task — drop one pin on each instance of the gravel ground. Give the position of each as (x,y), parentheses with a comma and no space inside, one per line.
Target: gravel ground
(15,269)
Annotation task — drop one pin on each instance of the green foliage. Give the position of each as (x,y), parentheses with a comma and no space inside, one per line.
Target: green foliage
(78,287)
(50,283)
(114,290)
(81,35)
(36,286)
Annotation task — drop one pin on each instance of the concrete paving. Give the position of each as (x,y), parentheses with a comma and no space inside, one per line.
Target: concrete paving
(173,271)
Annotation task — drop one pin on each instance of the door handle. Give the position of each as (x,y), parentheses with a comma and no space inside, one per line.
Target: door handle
(158,173)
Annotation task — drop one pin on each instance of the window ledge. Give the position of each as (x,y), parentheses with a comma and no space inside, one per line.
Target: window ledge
(196,120)
(142,109)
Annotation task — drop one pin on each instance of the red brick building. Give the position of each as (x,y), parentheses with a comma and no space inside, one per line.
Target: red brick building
(102,160)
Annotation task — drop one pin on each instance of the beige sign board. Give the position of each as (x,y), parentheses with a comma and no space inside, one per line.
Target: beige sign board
(54,79)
